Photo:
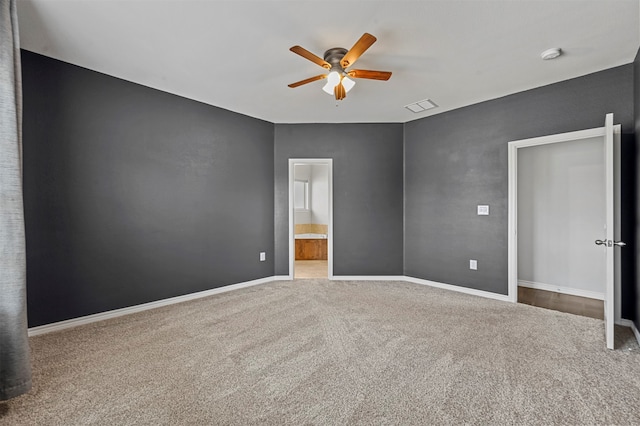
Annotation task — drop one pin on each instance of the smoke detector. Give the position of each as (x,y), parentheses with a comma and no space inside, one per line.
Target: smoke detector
(551,53)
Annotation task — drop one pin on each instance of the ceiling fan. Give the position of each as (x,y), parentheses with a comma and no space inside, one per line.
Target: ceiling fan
(337,60)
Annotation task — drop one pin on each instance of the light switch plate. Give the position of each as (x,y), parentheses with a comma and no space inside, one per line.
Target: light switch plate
(263,256)
(483,210)
(473,264)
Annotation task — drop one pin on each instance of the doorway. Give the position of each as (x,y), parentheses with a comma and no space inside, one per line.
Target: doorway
(574,254)
(561,198)
(310,218)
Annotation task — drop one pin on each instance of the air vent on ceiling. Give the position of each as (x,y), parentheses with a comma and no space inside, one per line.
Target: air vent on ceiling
(421,106)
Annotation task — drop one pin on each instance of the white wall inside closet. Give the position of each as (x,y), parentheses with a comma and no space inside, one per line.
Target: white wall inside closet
(560,214)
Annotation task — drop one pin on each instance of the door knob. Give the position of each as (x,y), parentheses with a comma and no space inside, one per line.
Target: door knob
(609,243)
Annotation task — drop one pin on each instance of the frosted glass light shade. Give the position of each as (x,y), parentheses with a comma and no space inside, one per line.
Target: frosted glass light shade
(332,79)
(347,83)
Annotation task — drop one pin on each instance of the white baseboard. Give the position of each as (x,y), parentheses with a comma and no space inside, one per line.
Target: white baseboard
(74,322)
(282,278)
(564,290)
(369,278)
(472,291)
(635,331)
(631,325)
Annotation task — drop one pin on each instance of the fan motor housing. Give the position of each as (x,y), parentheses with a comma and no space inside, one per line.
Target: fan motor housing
(334,56)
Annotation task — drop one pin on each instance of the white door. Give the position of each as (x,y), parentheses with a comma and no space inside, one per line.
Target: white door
(609,244)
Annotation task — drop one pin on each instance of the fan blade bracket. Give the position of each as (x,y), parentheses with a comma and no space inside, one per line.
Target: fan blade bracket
(357,50)
(299,50)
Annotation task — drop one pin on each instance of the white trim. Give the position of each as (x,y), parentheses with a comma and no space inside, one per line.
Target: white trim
(512,226)
(370,278)
(564,290)
(631,325)
(291,215)
(625,323)
(609,205)
(466,290)
(75,322)
(292,255)
(560,137)
(281,278)
(450,287)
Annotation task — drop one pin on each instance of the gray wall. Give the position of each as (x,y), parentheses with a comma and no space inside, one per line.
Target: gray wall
(367,184)
(458,159)
(134,195)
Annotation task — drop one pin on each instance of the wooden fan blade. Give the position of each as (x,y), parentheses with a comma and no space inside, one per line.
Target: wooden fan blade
(372,75)
(358,49)
(308,80)
(340,92)
(310,56)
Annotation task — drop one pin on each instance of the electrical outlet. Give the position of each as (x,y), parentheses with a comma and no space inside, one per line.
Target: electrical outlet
(263,256)
(473,264)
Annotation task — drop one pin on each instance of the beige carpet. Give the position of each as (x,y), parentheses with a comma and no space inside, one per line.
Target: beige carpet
(321,352)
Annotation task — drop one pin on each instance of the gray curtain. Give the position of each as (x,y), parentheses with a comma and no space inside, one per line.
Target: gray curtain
(15,368)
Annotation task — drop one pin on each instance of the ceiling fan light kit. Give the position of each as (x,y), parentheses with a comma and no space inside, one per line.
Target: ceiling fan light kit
(337,60)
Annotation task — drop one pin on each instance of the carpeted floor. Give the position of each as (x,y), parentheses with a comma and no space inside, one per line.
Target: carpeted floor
(333,352)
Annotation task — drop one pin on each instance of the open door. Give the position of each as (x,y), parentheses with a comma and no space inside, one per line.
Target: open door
(609,244)
(610,135)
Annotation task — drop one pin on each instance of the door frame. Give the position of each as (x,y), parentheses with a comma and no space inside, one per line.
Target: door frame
(292,247)
(513,147)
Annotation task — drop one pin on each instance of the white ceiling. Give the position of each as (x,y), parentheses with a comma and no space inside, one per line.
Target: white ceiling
(235,54)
